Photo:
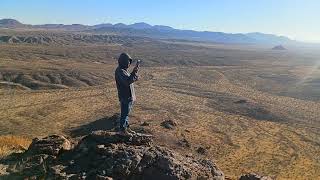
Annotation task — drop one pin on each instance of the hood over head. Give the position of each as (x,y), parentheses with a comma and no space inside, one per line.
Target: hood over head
(124,60)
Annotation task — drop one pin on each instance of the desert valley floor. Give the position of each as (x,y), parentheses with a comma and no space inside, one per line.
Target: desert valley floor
(251,108)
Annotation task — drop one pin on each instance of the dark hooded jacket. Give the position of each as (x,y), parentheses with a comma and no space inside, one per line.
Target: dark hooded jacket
(124,79)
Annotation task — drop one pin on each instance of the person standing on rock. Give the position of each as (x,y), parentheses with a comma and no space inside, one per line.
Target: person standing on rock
(126,93)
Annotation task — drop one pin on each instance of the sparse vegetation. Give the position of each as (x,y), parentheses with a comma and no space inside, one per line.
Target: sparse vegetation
(10,144)
(257,109)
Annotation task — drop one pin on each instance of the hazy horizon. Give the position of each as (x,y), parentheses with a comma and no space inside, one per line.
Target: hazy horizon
(294,19)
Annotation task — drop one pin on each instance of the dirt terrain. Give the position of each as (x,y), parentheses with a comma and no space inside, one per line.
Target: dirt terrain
(250,108)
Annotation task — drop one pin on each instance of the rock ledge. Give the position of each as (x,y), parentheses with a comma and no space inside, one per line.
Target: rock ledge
(107,155)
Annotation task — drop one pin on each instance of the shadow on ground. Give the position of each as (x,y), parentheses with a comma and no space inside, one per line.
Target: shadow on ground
(106,123)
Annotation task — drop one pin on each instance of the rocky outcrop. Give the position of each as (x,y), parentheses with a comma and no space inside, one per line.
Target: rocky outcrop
(252,176)
(51,145)
(107,155)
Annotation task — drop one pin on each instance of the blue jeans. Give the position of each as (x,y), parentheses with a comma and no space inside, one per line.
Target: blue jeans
(126,107)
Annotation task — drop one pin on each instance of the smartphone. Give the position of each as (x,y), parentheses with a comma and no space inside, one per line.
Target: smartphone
(138,62)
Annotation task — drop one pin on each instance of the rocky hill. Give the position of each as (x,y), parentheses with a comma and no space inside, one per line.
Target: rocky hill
(11,23)
(107,155)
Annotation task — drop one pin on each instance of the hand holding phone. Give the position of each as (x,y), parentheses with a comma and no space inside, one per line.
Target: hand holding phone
(136,68)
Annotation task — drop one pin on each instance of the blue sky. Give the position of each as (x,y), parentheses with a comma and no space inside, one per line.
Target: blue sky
(298,19)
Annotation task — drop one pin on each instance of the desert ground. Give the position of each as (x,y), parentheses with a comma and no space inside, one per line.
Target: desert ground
(251,109)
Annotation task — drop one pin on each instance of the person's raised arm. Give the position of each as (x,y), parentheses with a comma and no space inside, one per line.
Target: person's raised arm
(127,80)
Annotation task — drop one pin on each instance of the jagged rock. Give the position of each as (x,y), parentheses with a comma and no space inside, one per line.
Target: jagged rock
(169,124)
(253,176)
(107,155)
(106,137)
(161,163)
(51,145)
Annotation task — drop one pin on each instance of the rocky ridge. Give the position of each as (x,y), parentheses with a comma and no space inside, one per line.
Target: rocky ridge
(67,39)
(105,155)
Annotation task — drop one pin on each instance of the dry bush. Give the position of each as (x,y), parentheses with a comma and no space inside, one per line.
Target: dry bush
(10,144)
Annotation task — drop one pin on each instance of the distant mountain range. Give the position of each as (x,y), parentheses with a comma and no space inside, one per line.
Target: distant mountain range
(158,31)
